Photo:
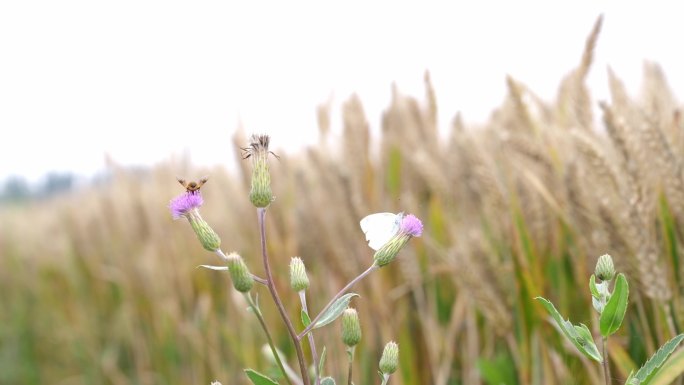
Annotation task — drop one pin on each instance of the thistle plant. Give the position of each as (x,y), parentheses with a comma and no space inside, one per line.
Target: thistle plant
(387,234)
(611,305)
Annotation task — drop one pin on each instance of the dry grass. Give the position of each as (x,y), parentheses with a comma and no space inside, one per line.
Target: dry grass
(100,286)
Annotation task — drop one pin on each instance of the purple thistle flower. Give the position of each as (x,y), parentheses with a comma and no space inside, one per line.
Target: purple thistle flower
(411,225)
(183,204)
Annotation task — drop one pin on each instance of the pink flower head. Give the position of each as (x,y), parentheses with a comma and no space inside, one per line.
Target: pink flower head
(183,204)
(411,225)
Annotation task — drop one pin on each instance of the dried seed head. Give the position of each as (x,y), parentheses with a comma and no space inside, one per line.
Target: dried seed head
(260,194)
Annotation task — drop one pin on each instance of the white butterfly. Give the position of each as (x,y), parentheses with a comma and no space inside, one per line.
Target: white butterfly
(380,228)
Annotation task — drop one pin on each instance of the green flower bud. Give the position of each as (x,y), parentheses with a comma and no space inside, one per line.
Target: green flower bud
(389,250)
(351,327)
(605,270)
(298,278)
(390,358)
(239,273)
(260,193)
(206,235)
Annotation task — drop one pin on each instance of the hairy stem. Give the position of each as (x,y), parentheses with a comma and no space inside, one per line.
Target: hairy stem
(312,343)
(606,365)
(260,317)
(261,213)
(338,295)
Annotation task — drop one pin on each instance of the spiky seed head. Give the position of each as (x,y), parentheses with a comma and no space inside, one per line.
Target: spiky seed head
(260,193)
(605,270)
(351,327)
(390,358)
(298,278)
(239,273)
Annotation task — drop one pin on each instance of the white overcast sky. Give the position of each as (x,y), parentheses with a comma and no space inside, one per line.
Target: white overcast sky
(145,80)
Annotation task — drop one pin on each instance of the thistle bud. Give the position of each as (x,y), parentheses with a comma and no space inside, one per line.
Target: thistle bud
(605,270)
(260,193)
(239,273)
(351,327)
(298,278)
(390,358)
(206,235)
(410,227)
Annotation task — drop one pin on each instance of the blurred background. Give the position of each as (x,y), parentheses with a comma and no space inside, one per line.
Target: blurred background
(528,142)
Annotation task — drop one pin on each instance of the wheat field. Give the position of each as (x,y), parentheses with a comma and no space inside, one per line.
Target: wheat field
(100,286)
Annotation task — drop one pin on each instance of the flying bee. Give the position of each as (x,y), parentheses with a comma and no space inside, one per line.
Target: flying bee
(192,187)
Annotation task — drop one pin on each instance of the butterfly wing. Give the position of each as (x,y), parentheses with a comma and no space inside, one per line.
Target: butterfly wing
(380,228)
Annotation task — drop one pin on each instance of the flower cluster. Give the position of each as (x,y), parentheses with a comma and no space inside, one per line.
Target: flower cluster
(387,234)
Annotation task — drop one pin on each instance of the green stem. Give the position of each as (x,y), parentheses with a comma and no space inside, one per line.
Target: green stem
(261,213)
(262,322)
(606,364)
(312,342)
(385,378)
(350,350)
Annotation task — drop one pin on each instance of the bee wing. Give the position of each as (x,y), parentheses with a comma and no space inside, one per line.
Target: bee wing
(380,228)
(182,182)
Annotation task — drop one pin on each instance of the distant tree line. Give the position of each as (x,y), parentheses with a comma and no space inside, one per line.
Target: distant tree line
(17,189)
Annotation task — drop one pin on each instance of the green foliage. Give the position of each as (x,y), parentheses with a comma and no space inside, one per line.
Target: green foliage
(672,368)
(304,316)
(321,361)
(258,378)
(335,310)
(650,369)
(614,311)
(579,335)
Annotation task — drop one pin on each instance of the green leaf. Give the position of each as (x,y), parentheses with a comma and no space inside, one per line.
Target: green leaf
(647,372)
(305,318)
(212,267)
(335,310)
(327,381)
(592,287)
(615,309)
(258,378)
(578,335)
(321,362)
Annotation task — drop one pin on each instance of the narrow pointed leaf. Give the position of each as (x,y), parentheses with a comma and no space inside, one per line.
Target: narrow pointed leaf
(592,287)
(212,267)
(579,335)
(650,369)
(335,310)
(305,319)
(258,378)
(614,312)
(321,362)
